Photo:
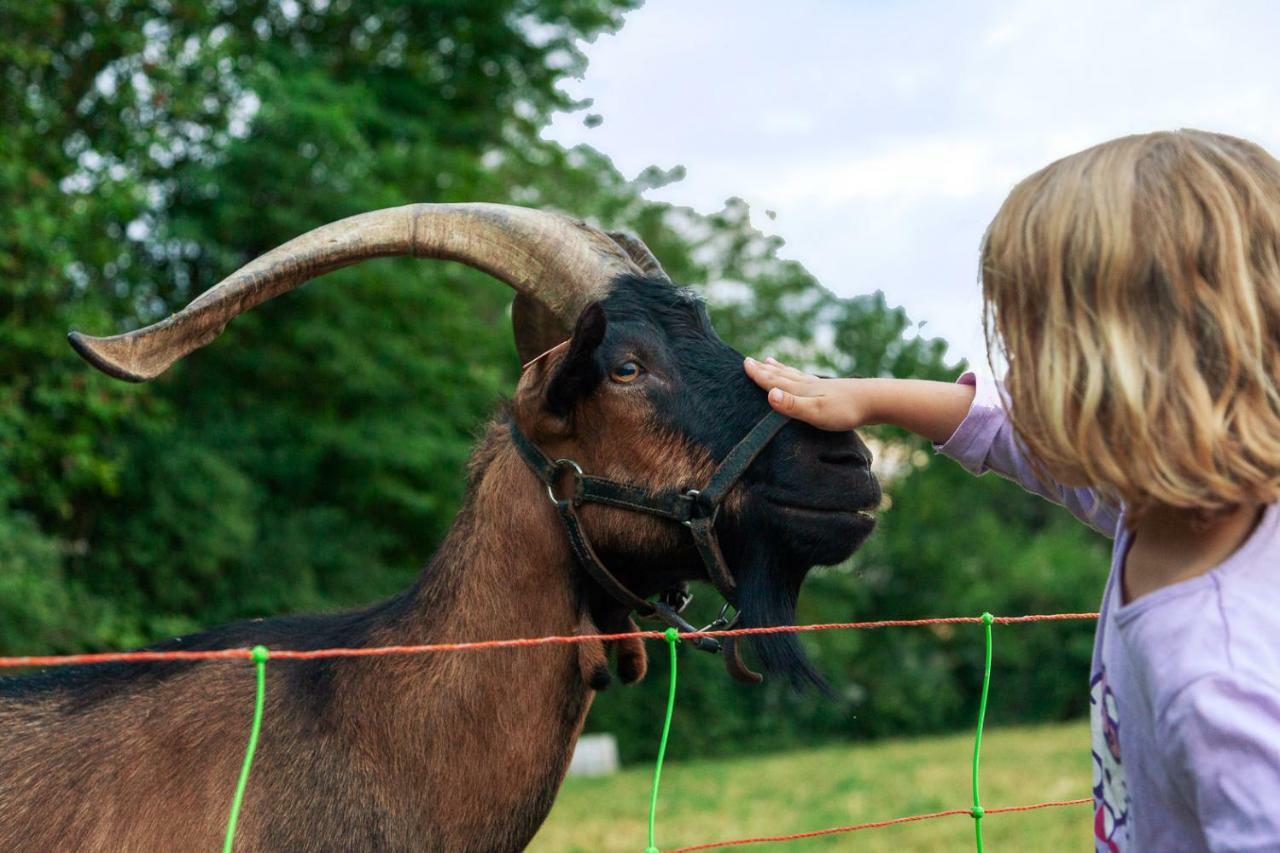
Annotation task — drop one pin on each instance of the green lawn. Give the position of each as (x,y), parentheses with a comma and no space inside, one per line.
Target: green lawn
(839,785)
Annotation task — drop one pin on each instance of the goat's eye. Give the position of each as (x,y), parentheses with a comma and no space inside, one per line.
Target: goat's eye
(627,371)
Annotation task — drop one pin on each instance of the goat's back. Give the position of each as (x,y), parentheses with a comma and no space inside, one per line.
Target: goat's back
(145,756)
(458,753)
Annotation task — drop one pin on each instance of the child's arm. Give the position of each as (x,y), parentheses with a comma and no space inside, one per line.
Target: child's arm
(929,409)
(964,420)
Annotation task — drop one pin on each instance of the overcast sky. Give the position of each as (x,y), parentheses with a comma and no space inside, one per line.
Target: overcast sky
(886,134)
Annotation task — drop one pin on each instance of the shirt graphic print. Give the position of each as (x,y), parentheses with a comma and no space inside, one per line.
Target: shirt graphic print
(1110,793)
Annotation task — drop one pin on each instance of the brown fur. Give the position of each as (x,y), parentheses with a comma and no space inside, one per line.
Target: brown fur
(626,445)
(443,752)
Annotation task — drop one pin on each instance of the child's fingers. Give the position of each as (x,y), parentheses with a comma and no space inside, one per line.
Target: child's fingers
(758,372)
(807,409)
(764,375)
(806,387)
(787,370)
(768,375)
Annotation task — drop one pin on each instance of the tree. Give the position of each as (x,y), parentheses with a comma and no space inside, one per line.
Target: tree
(157,145)
(312,457)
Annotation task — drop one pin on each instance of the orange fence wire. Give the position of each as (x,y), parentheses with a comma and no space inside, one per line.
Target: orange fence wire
(836,830)
(240,654)
(312,654)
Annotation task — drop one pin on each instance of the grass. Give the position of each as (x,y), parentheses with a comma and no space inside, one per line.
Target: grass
(811,789)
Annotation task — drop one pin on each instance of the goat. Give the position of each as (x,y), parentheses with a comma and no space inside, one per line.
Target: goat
(464,751)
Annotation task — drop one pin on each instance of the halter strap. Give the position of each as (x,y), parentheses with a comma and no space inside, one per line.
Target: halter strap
(694,508)
(742,455)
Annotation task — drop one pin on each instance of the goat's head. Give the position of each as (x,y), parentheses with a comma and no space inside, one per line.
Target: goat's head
(645,392)
(624,375)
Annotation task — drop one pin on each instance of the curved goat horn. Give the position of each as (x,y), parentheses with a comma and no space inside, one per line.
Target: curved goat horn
(640,254)
(561,263)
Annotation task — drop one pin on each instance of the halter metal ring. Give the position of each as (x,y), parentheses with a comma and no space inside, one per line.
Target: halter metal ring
(577,481)
(692,496)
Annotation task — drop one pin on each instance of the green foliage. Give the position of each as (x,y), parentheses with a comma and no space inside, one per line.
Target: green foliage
(313,457)
(34,601)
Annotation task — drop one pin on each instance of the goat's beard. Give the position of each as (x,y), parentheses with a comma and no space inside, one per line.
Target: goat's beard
(768,588)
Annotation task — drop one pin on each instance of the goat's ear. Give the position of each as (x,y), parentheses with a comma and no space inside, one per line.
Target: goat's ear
(577,374)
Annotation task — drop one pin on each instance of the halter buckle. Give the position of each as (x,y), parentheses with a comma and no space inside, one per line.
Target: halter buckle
(560,465)
(664,613)
(721,621)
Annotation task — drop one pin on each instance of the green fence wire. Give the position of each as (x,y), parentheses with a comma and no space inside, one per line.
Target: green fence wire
(987,620)
(673,639)
(259,657)
(976,812)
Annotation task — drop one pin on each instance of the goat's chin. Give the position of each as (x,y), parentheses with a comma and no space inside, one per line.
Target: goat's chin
(768,590)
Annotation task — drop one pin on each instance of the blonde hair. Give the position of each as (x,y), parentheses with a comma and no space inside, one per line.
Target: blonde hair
(1134,291)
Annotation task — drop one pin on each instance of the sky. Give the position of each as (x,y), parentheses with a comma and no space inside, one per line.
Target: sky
(884,135)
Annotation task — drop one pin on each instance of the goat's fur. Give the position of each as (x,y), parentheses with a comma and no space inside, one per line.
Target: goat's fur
(439,752)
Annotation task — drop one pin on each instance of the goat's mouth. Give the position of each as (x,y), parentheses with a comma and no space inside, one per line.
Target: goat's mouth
(864,515)
(821,533)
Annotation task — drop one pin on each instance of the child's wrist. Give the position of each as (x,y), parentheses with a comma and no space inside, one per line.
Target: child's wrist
(873,400)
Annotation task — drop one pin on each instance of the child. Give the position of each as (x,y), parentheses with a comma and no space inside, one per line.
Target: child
(1134,291)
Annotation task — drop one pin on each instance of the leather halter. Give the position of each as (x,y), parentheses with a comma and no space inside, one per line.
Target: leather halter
(696,509)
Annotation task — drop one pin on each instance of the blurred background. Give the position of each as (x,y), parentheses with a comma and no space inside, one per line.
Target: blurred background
(809,172)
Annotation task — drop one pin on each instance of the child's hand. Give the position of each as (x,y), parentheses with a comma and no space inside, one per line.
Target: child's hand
(832,404)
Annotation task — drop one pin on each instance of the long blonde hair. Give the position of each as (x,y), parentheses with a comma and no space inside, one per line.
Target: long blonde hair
(1134,291)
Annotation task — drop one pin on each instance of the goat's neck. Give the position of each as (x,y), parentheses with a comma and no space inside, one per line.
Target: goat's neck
(504,569)
(480,739)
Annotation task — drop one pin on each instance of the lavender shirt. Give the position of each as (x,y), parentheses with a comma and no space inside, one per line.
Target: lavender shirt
(1185,685)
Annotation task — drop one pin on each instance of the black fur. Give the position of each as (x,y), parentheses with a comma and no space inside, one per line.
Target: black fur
(801,493)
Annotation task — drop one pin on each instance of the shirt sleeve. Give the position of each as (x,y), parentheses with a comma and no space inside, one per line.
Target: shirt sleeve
(1222,737)
(985,441)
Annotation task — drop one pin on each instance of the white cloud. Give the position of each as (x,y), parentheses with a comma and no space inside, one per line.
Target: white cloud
(886,135)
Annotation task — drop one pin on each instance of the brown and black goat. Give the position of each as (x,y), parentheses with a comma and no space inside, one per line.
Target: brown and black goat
(464,751)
